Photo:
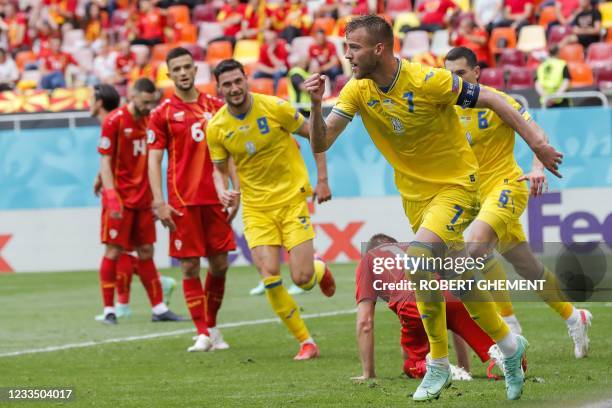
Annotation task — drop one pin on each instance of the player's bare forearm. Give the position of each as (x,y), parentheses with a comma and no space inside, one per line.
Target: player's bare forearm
(365,337)
(155,176)
(106,173)
(221,176)
(233,175)
(318,129)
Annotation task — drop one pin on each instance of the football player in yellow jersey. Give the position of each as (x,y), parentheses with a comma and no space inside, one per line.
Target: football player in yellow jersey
(503,197)
(255,130)
(408,110)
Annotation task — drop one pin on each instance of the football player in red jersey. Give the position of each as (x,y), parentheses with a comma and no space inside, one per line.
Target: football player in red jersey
(199,225)
(127,219)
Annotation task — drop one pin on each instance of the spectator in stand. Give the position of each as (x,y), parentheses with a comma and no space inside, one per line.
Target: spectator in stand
(253,21)
(15,24)
(53,66)
(324,57)
(104,64)
(9,74)
(273,56)
(150,24)
(435,14)
(297,92)
(42,39)
(95,22)
(564,10)
(143,68)
(289,20)
(553,77)
(124,62)
(586,25)
(476,39)
(61,11)
(487,13)
(517,14)
(231,17)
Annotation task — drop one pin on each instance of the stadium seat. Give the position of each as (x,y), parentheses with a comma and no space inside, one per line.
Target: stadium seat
(203,74)
(609,37)
(25,57)
(605,9)
(557,33)
(195,50)
(247,51)
(415,42)
(403,20)
(204,13)
(326,23)
(395,7)
(520,78)
(502,38)
(218,51)
(179,14)
(547,16)
(209,88)
(493,77)
(85,57)
(397,46)
(119,18)
(572,53)
(262,85)
(599,55)
(604,79)
(581,74)
(138,50)
(282,89)
(73,39)
(300,45)
(189,33)
(161,77)
(340,28)
(159,51)
(341,80)
(249,69)
(208,31)
(532,38)
(464,5)
(440,43)
(511,58)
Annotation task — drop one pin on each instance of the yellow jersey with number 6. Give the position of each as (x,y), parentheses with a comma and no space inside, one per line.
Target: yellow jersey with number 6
(415,127)
(493,143)
(268,160)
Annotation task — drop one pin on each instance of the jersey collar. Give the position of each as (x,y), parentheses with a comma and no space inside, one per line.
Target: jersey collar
(387,89)
(244,115)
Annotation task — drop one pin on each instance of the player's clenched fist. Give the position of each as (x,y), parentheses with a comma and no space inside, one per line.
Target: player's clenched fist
(315,85)
(164,212)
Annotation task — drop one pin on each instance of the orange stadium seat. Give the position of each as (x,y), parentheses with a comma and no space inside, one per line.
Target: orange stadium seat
(209,88)
(218,51)
(189,33)
(23,58)
(249,69)
(581,74)
(340,28)
(502,33)
(262,85)
(179,14)
(326,23)
(547,16)
(572,53)
(282,91)
(160,50)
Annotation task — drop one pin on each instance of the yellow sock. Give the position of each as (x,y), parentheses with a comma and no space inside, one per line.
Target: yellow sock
(319,271)
(285,307)
(493,270)
(482,309)
(431,305)
(553,296)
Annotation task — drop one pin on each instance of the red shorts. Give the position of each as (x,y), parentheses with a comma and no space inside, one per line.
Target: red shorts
(203,230)
(135,228)
(414,339)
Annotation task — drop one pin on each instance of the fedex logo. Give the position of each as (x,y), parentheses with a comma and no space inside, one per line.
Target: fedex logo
(576,226)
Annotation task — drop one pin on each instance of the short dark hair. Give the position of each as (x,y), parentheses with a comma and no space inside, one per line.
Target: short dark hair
(175,53)
(554,50)
(226,66)
(462,52)
(376,26)
(379,239)
(144,85)
(108,95)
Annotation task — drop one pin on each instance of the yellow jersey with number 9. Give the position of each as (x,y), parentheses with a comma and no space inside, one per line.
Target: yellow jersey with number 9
(415,127)
(493,143)
(270,167)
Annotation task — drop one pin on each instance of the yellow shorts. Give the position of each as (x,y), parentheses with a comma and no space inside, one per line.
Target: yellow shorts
(501,208)
(288,226)
(447,214)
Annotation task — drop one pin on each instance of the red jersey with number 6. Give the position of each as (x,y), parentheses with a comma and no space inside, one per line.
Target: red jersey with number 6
(180,127)
(124,139)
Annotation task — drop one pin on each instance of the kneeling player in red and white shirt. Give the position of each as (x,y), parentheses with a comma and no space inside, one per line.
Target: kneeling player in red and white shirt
(127,218)
(199,226)
(371,286)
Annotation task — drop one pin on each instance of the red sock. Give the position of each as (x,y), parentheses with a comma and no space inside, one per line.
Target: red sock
(125,269)
(150,280)
(214,290)
(196,303)
(108,276)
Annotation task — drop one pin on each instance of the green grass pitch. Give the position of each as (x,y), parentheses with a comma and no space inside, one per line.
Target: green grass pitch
(54,309)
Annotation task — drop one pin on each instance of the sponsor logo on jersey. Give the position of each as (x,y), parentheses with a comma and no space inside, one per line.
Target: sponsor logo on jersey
(229,134)
(105,143)
(468,136)
(373,102)
(429,75)
(150,136)
(244,128)
(113,233)
(398,127)
(250,148)
(179,116)
(387,102)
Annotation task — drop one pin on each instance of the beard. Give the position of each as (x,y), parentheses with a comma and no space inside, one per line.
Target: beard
(237,104)
(187,87)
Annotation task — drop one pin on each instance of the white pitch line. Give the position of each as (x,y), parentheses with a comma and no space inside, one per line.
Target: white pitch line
(166,334)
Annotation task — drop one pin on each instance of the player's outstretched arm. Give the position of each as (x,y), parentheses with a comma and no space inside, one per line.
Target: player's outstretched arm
(550,158)
(230,199)
(536,177)
(365,338)
(162,210)
(323,132)
(322,191)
